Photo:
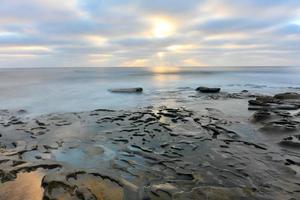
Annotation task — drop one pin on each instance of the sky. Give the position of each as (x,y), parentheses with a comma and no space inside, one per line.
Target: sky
(140,33)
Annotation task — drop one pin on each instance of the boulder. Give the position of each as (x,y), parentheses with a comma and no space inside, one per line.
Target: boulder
(127,90)
(208,90)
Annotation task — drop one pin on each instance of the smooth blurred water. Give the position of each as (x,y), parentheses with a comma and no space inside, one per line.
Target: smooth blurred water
(41,90)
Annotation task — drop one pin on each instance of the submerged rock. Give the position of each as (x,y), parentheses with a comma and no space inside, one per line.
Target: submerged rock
(208,90)
(127,90)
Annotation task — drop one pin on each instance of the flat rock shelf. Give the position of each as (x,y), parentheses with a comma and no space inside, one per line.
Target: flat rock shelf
(155,152)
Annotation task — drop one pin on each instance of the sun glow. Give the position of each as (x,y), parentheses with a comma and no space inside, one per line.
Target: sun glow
(96,40)
(179,48)
(24,49)
(162,28)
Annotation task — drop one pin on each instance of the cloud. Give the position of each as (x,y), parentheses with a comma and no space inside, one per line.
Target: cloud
(225,25)
(53,33)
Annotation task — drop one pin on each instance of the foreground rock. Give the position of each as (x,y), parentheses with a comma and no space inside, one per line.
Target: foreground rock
(127,90)
(208,90)
(153,153)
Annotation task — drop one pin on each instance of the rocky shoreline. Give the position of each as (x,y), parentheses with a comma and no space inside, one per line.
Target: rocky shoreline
(157,152)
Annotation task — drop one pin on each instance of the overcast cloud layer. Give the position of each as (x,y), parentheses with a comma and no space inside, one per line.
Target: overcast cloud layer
(83,33)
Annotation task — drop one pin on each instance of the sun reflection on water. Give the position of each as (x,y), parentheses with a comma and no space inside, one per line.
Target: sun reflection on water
(165,70)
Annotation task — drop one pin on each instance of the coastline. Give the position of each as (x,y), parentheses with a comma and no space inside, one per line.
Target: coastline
(212,148)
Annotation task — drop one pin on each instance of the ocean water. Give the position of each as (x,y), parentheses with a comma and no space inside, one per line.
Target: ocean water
(48,90)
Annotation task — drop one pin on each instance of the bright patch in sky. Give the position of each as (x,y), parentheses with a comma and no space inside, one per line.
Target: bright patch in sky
(170,33)
(163,28)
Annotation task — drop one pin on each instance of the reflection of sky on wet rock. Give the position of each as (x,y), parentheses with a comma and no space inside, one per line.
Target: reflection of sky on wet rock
(27,186)
(88,156)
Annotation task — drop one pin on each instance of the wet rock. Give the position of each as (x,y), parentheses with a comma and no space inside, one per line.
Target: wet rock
(287,95)
(6,176)
(127,90)
(266,99)
(287,107)
(121,140)
(85,193)
(261,116)
(63,123)
(22,112)
(208,90)
(165,187)
(176,147)
(195,158)
(292,162)
(292,141)
(83,185)
(272,112)
(282,101)
(139,134)
(40,123)
(258,108)
(165,144)
(145,149)
(257,103)
(220,193)
(281,125)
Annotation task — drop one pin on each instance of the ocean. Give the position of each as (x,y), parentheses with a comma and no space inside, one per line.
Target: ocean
(49,90)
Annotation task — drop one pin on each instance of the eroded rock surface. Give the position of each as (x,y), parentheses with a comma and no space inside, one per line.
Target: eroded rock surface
(152,153)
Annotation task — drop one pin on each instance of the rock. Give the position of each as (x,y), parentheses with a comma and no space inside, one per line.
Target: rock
(165,187)
(287,95)
(208,90)
(220,193)
(261,115)
(21,112)
(293,141)
(286,107)
(127,90)
(6,176)
(257,103)
(281,126)
(262,108)
(266,99)
(282,101)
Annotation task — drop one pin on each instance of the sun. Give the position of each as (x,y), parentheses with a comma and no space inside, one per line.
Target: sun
(162,28)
